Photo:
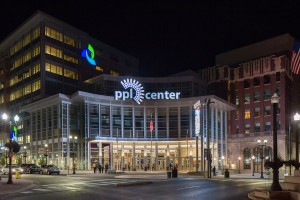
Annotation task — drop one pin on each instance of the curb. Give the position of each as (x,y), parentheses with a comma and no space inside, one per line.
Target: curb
(134,183)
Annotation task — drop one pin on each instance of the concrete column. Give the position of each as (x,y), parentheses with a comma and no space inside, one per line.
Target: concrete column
(168,157)
(100,153)
(156,156)
(111,156)
(191,157)
(122,158)
(179,157)
(133,157)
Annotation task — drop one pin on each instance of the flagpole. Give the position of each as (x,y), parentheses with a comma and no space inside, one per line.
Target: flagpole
(151,143)
(187,149)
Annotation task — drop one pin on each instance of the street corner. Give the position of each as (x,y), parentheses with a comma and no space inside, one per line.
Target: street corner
(18,185)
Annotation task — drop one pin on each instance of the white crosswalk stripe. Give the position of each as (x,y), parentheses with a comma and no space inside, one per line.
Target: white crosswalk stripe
(78,185)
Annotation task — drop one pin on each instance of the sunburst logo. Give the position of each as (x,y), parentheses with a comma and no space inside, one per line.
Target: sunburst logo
(89,54)
(139,90)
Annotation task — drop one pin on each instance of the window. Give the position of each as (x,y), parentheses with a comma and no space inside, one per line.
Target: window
(256,112)
(267,95)
(237,129)
(257,127)
(53,34)
(256,96)
(266,79)
(267,110)
(237,101)
(247,158)
(247,128)
(53,51)
(256,82)
(267,126)
(277,76)
(237,114)
(246,84)
(247,114)
(247,98)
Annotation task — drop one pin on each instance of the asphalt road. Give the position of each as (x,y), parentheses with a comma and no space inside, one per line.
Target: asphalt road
(90,188)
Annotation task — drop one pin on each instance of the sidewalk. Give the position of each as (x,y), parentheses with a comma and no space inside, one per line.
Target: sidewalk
(18,185)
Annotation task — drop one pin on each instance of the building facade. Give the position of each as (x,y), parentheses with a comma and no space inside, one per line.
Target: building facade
(118,132)
(250,76)
(45,56)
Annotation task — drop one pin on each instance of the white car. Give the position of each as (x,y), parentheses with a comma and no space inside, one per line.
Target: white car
(14,168)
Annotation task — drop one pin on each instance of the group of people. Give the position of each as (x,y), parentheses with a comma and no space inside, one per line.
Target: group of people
(100,167)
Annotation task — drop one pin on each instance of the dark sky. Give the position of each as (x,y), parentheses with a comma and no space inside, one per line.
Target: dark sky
(166,36)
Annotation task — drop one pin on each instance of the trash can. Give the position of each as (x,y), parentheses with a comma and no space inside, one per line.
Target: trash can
(226,173)
(169,175)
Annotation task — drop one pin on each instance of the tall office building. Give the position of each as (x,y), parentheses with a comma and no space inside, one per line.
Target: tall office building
(45,56)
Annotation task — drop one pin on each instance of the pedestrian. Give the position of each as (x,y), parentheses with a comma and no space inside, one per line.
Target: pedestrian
(102,168)
(214,171)
(106,167)
(95,167)
(99,167)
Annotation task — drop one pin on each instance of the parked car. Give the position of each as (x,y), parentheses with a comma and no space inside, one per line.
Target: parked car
(50,169)
(14,169)
(31,168)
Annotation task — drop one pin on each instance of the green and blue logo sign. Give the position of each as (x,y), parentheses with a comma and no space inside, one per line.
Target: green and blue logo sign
(89,54)
(14,134)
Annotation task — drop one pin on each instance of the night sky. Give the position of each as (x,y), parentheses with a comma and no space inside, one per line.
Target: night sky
(166,36)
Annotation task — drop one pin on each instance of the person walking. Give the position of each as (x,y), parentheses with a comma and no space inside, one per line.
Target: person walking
(214,171)
(102,168)
(99,167)
(95,167)
(106,167)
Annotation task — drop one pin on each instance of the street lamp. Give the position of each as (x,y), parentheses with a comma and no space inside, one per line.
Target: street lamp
(46,154)
(275,184)
(253,159)
(73,154)
(25,154)
(239,165)
(262,156)
(297,118)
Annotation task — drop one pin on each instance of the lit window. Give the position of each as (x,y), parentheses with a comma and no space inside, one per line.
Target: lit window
(247,114)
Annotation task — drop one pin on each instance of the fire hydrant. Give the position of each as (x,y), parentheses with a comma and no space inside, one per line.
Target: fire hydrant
(18,175)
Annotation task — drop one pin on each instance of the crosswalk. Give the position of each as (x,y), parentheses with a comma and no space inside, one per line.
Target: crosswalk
(75,186)
(245,182)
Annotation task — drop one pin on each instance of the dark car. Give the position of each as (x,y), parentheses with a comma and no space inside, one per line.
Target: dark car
(31,168)
(50,169)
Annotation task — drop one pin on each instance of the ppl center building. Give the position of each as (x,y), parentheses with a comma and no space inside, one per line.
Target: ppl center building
(63,83)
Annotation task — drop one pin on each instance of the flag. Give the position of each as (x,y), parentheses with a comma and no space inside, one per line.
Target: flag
(295,62)
(151,125)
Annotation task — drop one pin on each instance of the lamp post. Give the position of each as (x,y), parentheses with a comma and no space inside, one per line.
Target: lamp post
(9,181)
(239,165)
(262,156)
(208,102)
(25,154)
(297,118)
(275,184)
(46,154)
(253,159)
(73,154)
(223,164)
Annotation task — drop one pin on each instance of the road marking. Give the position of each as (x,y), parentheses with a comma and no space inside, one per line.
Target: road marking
(27,192)
(187,188)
